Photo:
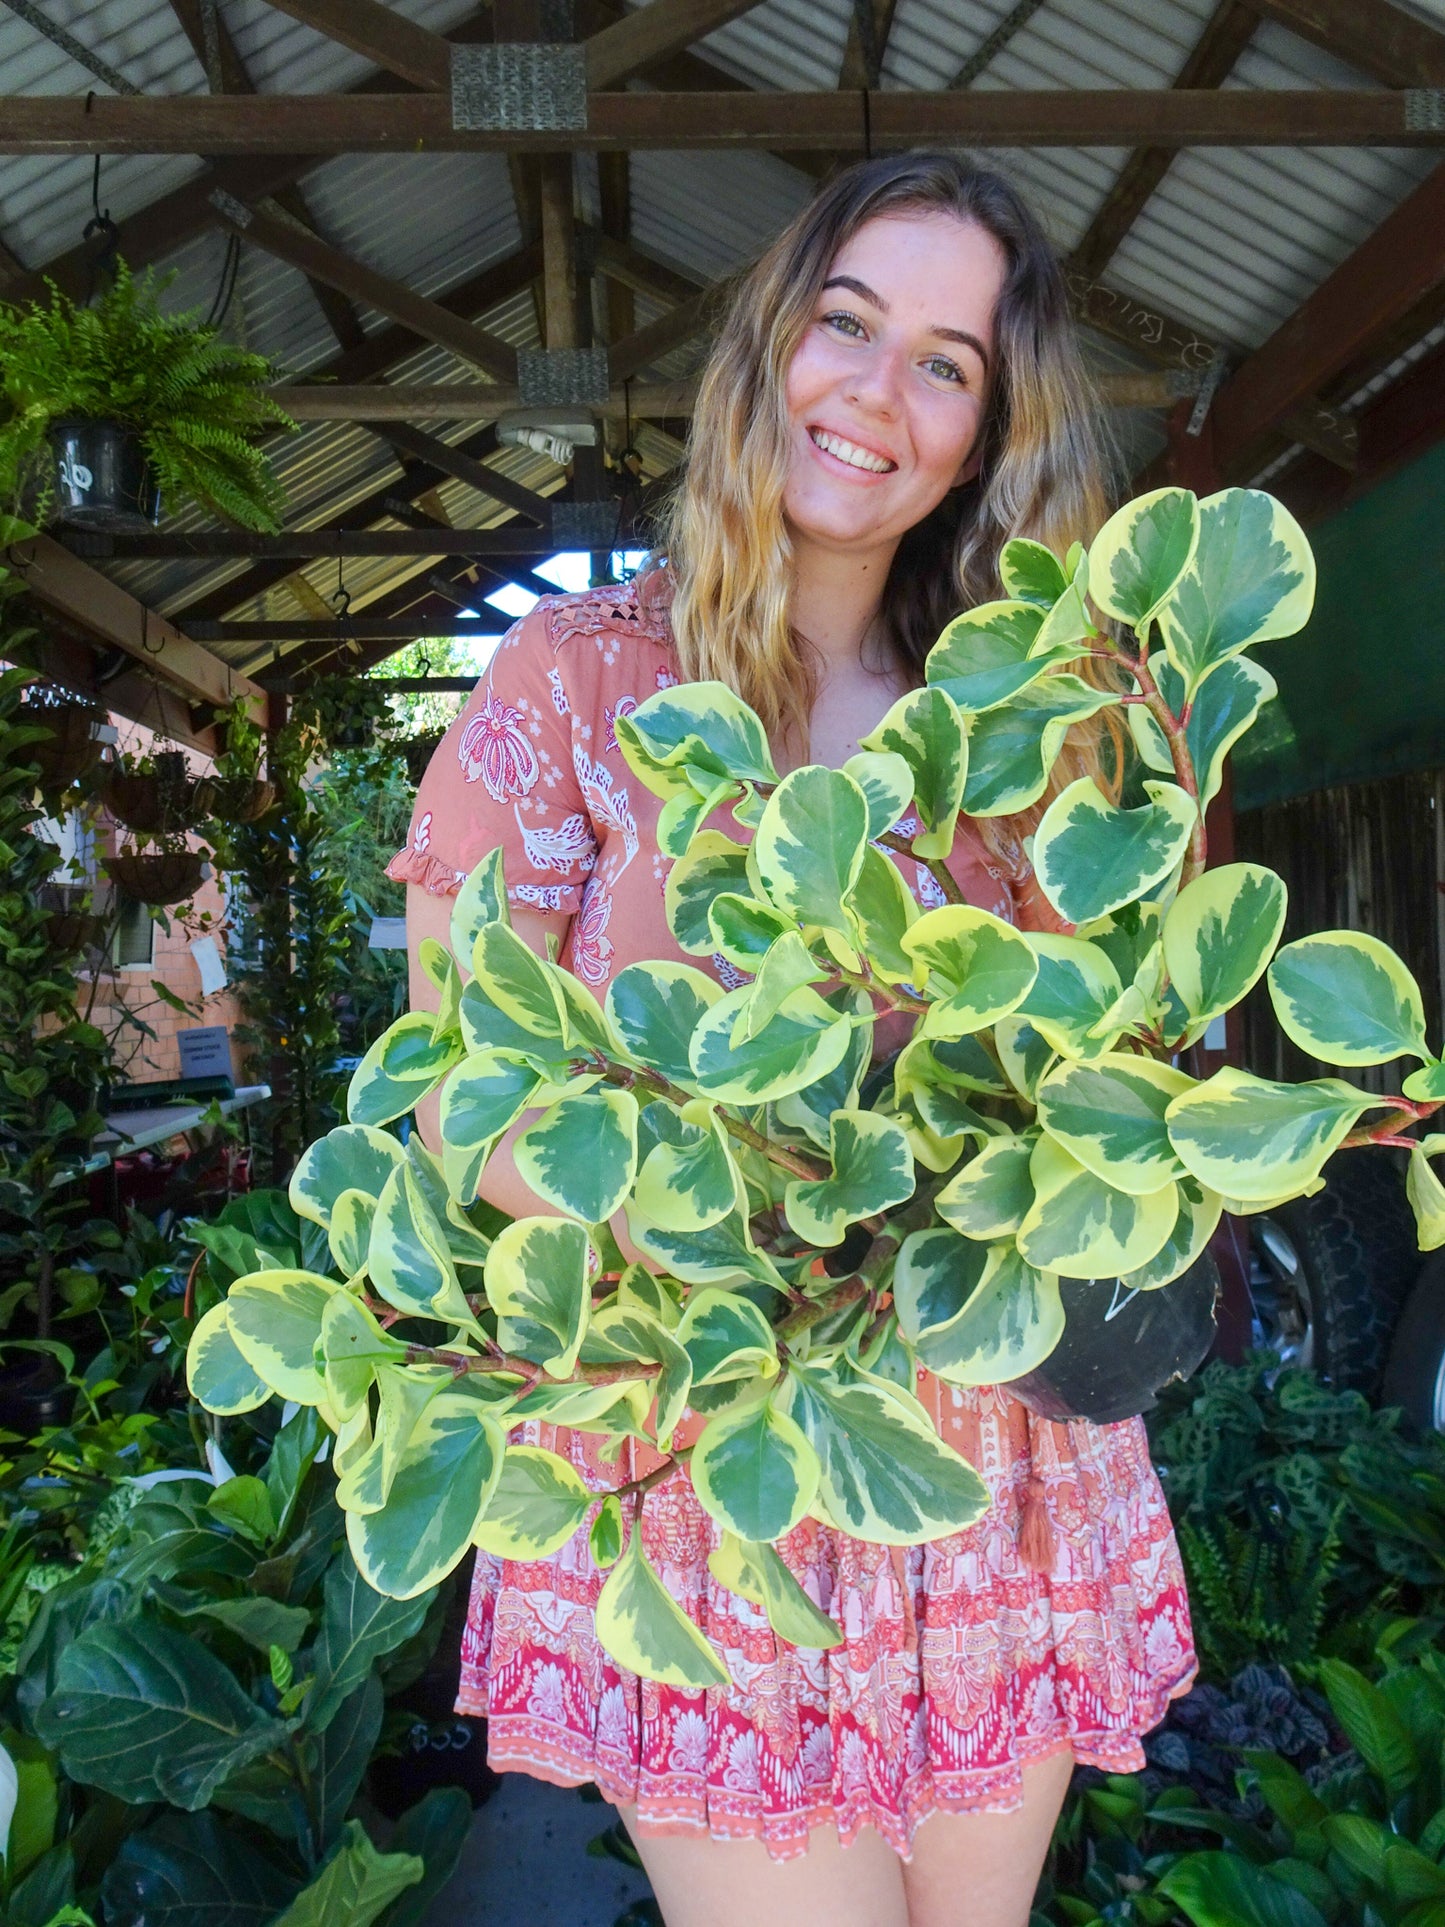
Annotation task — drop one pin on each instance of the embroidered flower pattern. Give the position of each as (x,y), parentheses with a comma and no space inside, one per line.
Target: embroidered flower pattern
(624,706)
(494,749)
(591,947)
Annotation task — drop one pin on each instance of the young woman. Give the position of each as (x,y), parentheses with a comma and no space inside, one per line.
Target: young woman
(894,394)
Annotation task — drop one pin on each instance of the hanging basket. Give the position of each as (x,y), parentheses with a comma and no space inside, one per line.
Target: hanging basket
(1120,1349)
(157,877)
(156,802)
(102,478)
(418,751)
(233,799)
(73,747)
(71,931)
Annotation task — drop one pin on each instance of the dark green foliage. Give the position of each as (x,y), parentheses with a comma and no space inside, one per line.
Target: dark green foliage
(197,401)
(1304,1516)
(51,1062)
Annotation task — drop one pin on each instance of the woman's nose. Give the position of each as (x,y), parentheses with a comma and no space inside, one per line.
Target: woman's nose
(876,382)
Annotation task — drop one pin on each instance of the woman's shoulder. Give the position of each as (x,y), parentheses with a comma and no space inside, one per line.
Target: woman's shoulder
(597,632)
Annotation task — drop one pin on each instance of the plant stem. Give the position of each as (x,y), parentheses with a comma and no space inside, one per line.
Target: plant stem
(935,866)
(817,1309)
(527,1368)
(629,1079)
(635,1488)
(1176,735)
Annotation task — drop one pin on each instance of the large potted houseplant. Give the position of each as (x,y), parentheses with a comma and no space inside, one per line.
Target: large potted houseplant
(110,409)
(812,1241)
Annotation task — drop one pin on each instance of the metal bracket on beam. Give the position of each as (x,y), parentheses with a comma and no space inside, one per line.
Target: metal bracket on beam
(550,377)
(1208,388)
(519,86)
(1425,110)
(230,209)
(585,525)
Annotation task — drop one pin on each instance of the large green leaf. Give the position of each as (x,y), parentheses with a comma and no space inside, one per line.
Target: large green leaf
(435,1831)
(581,1155)
(1082,1227)
(353,1157)
(1068,1008)
(1109,1114)
(1252,579)
(1141,553)
(756,1572)
(275,1321)
(359,1626)
(1425,1192)
(655,1008)
(872,1171)
(185,1869)
(978,968)
(1346,997)
(481,899)
(1092,857)
(754,1471)
(338,1756)
(1222,710)
(926,730)
(217,1372)
(990,1197)
(713,863)
(149,1714)
(538,1285)
(402,1066)
(1373,1725)
(536,1506)
(355,1886)
(975,1326)
(1219,934)
(688,1179)
(1247,1137)
(726,1337)
(481,1099)
(809,845)
(1012,749)
(985,656)
(1226,1890)
(886,1474)
(701,726)
(804,1042)
(440,1491)
(643,1627)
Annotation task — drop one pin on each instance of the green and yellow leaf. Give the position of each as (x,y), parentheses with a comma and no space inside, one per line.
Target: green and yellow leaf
(1141,553)
(644,1629)
(1219,935)
(581,1154)
(927,730)
(1251,579)
(538,1285)
(537,1504)
(1109,1114)
(753,1470)
(1247,1137)
(439,1493)
(1082,1227)
(1092,857)
(217,1372)
(1346,998)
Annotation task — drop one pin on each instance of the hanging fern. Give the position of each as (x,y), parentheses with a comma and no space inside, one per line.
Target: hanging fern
(197,401)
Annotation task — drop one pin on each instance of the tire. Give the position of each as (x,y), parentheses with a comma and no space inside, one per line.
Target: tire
(1415,1373)
(1329,1274)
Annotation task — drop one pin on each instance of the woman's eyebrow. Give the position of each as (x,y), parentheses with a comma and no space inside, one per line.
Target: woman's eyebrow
(862,289)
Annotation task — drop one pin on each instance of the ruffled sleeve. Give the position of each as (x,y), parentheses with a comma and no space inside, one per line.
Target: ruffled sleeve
(504,774)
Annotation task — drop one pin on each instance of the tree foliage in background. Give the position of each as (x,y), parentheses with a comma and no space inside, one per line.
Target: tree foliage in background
(815,1244)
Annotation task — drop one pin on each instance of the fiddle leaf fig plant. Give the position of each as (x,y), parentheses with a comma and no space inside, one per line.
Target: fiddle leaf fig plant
(813,1230)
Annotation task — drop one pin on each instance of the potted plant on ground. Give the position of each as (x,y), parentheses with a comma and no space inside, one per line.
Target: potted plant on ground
(107,410)
(813,1241)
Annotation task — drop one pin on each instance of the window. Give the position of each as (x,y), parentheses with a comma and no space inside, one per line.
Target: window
(134,944)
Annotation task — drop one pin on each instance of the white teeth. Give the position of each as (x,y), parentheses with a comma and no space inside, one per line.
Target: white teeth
(848,452)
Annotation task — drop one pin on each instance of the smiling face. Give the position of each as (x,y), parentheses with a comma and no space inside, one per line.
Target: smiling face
(886,392)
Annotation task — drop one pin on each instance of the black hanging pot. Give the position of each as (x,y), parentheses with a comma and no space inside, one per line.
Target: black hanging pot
(33,1394)
(102,478)
(1121,1348)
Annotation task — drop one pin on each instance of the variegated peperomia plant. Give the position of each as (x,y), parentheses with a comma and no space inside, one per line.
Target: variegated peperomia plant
(814,1229)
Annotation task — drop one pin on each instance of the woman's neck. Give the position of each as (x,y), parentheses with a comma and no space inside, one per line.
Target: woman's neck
(835,600)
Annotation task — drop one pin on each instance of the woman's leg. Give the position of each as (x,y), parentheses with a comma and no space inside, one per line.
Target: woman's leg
(733,1883)
(981,1869)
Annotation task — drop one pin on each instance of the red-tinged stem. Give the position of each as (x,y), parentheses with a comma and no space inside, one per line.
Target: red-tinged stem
(1403,1112)
(1176,737)
(935,866)
(527,1368)
(817,1309)
(630,1078)
(635,1488)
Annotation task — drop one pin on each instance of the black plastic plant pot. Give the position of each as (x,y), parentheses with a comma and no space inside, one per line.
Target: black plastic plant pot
(1121,1348)
(33,1394)
(102,478)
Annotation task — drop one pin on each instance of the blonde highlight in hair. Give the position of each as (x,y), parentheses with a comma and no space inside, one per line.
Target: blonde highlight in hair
(725,539)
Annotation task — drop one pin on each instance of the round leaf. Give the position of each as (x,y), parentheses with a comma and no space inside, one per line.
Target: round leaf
(1346,998)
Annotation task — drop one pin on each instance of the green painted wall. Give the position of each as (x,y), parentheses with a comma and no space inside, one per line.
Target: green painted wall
(1362,689)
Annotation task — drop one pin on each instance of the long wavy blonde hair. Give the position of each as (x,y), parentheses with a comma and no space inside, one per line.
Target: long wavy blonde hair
(725,540)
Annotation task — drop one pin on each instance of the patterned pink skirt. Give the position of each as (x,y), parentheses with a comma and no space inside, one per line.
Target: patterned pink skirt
(959,1663)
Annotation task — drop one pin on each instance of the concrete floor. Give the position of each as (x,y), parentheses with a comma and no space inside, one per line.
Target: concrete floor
(526,1864)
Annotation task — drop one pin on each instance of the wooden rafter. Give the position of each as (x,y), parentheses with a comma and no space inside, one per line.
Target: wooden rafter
(1382,40)
(867,44)
(648,34)
(1395,268)
(740,122)
(307,545)
(614,193)
(321,262)
(380,35)
(467,468)
(1209,64)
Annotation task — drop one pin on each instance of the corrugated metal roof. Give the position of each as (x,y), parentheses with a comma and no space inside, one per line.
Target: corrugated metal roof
(1231,242)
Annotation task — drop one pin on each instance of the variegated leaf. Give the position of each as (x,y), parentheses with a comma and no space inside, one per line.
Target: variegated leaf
(1247,1137)
(644,1629)
(991,1196)
(440,1491)
(1425,1191)
(1109,1114)
(1031,573)
(886,781)
(809,845)
(872,1171)
(481,899)
(1012,749)
(1251,579)
(353,1157)
(926,729)
(481,1099)
(1076,988)
(713,863)
(1346,997)
(984,657)
(401,1067)
(803,1042)
(1199,1212)
(655,1009)
(687,1179)
(518,981)
(537,1283)
(581,1154)
(702,726)
(1082,1227)
(1223,708)
(754,1471)
(1219,934)
(536,1506)
(217,1373)
(275,1321)
(726,1337)
(1091,856)
(978,968)
(757,1573)
(1141,553)
(974,1314)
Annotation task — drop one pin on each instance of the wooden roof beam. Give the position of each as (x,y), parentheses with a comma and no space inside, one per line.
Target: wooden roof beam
(1381,39)
(1395,268)
(319,261)
(1209,64)
(286,125)
(466,468)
